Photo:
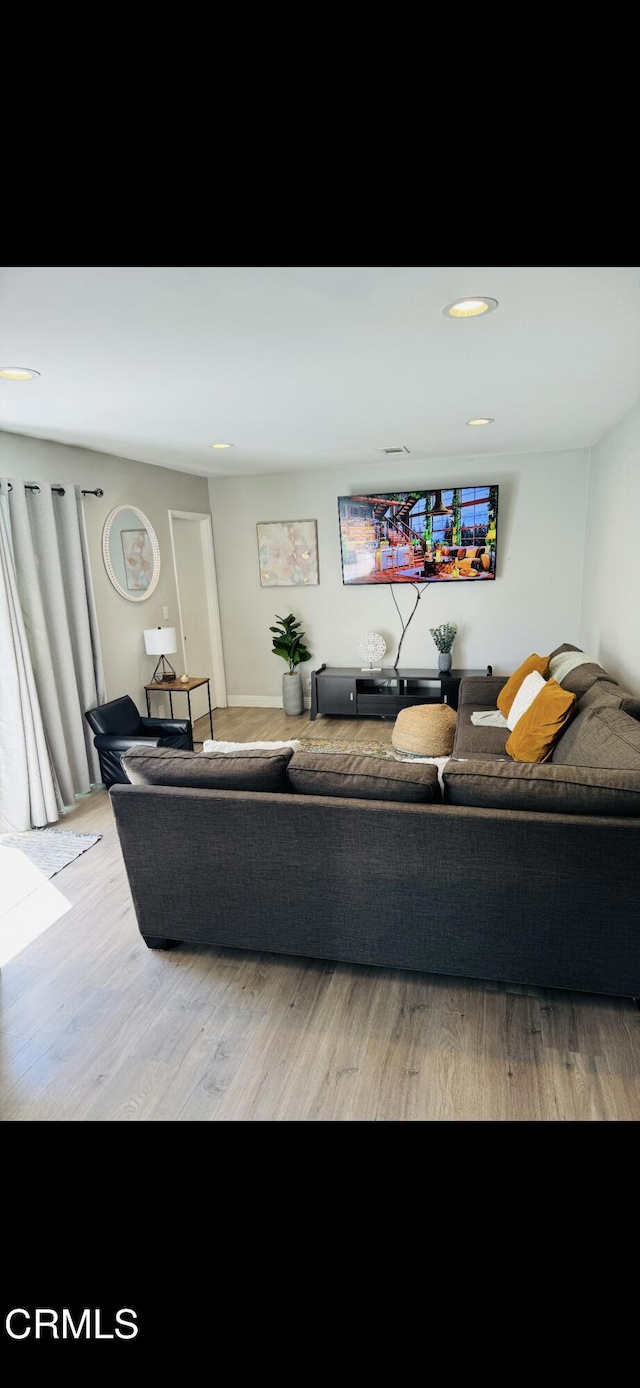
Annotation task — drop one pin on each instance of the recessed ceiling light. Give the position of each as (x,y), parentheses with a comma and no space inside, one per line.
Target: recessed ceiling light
(480,421)
(469,308)
(18,373)
(222,445)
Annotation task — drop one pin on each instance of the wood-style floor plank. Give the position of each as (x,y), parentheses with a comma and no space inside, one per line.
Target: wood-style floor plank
(94,1027)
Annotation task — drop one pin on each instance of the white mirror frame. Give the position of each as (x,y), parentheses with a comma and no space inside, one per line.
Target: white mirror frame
(106,535)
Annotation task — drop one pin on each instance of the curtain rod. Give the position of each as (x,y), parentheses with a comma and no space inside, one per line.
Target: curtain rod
(34,487)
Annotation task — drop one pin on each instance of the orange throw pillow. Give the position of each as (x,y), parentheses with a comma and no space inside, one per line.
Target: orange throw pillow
(536,733)
(507,694)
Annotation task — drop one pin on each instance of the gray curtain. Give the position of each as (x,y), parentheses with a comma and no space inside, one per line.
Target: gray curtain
(27,785)
(54,586)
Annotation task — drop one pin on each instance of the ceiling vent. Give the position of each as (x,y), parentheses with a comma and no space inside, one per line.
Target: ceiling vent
(398,448)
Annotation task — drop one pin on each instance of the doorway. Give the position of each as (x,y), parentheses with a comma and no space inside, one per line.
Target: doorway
(199,633)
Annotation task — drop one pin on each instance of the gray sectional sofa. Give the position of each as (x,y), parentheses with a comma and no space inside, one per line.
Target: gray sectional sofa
(525,873)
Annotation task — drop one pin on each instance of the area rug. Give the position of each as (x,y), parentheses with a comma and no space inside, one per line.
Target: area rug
(351,746)
(50,850)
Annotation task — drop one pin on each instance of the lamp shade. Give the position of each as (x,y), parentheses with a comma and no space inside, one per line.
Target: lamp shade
(160,640)
(439,508)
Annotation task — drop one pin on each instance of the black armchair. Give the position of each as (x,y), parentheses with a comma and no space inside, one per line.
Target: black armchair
(118,726)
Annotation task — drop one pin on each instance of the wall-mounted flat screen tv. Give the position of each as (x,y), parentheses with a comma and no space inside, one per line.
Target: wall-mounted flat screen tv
(446,535)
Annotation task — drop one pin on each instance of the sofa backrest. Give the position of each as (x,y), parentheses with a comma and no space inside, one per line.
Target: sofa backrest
(608,694)
(364,880)
(595,687)
(364,778)
(542,788)
(600,737)
(119,718)
(278,771)
(251,770)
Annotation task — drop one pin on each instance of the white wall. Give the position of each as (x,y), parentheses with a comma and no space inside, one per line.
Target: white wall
(195,655)
(534,603)
(154,490)
(610,623)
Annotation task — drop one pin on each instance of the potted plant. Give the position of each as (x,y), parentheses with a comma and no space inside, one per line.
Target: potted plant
(287,642)
(444,637)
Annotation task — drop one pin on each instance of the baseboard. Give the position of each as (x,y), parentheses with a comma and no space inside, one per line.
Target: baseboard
(254,701)
(260,701)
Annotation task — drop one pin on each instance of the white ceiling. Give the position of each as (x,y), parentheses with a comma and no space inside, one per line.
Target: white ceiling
(316,367)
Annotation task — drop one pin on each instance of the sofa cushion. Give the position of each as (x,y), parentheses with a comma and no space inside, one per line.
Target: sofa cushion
(604,737)
(546,789)
(608,694)
(470,741)
(537,732)
(363,778)
(510,689)
(559,650)
(252,770)
(480,691)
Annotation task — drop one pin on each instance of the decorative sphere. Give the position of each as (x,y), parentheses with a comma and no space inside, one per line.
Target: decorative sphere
(371,647)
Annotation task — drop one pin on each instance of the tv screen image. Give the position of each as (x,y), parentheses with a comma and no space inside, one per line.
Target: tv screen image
(445,535)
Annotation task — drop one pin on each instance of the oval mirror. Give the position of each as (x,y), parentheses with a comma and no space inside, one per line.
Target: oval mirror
(131,553)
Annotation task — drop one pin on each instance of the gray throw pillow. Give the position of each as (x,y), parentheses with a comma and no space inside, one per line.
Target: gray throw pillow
(543,788)
(363,778)
(604,737)
(608,694)
(252,770)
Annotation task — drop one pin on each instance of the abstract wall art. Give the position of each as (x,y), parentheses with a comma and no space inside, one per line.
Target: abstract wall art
(288,554)
(138,559)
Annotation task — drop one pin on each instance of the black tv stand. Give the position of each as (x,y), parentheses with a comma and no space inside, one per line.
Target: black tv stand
(349,692)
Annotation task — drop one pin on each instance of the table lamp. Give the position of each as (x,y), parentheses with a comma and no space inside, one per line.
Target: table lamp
(161,641)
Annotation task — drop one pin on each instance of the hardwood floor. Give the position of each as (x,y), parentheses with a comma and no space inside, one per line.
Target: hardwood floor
(97,1027)
(271,724)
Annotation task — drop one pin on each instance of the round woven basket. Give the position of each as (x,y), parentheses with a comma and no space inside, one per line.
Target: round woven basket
(427,730)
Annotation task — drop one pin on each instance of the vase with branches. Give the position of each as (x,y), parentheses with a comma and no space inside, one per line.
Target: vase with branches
(444,637)
(420,592)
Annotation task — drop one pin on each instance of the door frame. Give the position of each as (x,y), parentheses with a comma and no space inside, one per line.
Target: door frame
(218,678)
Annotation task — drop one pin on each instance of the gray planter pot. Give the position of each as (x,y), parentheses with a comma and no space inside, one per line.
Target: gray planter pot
(444,662)
(292,698)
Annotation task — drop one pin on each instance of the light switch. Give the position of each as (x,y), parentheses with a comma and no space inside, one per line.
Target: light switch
(165,613)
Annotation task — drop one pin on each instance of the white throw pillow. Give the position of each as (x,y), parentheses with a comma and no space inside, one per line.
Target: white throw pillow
(528,691)
(211,747)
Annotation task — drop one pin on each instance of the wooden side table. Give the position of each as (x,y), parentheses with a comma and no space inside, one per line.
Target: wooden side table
(172,687)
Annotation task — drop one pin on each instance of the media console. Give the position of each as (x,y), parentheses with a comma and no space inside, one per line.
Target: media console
(349,692)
